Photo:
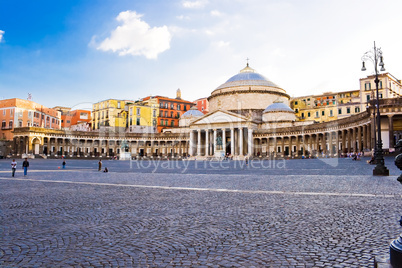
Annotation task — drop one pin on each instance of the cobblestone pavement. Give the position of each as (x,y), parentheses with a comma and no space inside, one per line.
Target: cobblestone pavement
(301,213)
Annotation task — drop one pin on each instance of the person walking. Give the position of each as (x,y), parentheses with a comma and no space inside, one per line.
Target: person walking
(13,167)
(100,165)
(25,166)
(64,164)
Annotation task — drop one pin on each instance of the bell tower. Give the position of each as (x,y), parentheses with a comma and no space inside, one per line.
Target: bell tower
(178,94)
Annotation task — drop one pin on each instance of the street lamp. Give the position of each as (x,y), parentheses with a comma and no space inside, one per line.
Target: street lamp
(375,56)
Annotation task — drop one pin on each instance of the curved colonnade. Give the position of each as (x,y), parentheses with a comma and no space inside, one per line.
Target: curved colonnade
(352,134)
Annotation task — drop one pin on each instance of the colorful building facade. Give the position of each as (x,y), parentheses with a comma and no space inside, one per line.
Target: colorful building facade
(202,105)
(25,113)
(110,113)
(74,119)
(336,105)
(143,116)
(170,110)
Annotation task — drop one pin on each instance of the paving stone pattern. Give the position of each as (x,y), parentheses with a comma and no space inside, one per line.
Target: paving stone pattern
(309,213)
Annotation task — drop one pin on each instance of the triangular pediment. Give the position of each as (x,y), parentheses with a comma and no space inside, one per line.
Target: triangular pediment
(220,116)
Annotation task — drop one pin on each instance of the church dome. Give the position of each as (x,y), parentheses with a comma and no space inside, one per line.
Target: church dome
(193,112)
(247,93)
(247,77)
(278,112)
(278,107)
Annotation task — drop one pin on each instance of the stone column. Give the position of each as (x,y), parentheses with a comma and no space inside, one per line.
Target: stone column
(283,146)
(232,142)
(191,149)
(250,142)
(214,148)
(206,142)
(199,143)
(391,131)
(137,148)
(349,141)
(344,140)
(211,143)
(337,143)
(29,145)
(48,146)
(19,152)
(298,145)
(115,146)
(364,137)
(290,147)
(65,147)
(310,141)
(359,139)
(352,139)
(275,146)
(100,147)
(331,151)
(56,146)
(317,142)
(85,148)
(369,137)
(152,147)
(224,140)
(14,147)
(186,148)
(241,152)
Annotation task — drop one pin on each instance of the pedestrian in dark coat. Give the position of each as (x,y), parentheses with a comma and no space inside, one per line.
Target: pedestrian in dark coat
(25,166)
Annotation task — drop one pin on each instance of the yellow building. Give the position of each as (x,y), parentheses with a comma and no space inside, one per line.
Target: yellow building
(319,108)
(110,113)
(348,103)
(331,106)
(388,87)
(143,116)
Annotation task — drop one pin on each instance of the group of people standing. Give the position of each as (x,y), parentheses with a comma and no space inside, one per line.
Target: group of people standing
(25,166)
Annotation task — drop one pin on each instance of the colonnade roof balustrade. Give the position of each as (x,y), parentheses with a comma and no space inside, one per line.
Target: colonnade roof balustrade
(318,127)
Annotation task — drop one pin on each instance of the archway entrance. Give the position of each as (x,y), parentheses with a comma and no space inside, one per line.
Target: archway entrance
(36,146)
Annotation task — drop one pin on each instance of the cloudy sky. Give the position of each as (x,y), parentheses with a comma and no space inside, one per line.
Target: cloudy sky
(75,52)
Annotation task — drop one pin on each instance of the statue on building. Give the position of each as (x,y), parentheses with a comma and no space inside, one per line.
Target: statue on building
(219,143)
(124,146)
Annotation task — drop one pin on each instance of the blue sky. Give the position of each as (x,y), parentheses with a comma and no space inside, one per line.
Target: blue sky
(73,53)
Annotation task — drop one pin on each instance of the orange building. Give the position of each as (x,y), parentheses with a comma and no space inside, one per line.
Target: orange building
(202,105)
(170,110)
(25,113)
(71,119)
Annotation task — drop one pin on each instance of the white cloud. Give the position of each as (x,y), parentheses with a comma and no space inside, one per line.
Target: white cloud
(1,35)
(221,44)
(195,4)
(182,17)
(135,37)
(215,13)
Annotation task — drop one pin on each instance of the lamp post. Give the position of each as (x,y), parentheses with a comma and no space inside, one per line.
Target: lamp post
(375,56)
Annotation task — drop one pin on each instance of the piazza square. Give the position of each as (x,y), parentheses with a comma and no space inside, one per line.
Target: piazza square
(268,213)
(200,133)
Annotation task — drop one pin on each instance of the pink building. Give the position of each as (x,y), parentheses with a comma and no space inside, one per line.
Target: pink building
(16,113)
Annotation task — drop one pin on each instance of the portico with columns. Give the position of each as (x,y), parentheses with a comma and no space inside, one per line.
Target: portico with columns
(233,130)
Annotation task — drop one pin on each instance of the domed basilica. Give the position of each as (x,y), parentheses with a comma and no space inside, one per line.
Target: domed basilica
(248,116)
(246,102)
